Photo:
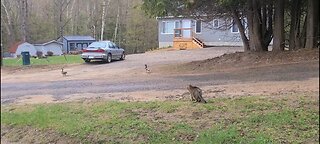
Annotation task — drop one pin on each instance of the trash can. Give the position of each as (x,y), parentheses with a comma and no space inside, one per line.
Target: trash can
(25,58)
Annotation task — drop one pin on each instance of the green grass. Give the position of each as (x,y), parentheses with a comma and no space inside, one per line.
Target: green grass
(52,60)
(240,120)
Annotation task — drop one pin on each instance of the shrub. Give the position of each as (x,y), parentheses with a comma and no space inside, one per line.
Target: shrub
(49,53)
(75,52)
(39,54)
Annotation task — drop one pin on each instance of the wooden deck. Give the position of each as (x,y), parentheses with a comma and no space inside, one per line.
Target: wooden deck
(184,39)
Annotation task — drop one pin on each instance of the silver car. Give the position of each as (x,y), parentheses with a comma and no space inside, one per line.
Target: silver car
(103,50)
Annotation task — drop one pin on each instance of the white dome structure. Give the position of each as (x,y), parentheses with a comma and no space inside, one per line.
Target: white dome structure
(26,47)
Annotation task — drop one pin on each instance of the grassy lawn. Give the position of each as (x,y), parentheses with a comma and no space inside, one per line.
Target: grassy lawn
(71,59)
(259,119)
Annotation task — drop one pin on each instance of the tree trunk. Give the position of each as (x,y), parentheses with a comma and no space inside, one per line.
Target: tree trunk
(60,24)
(24,20)
(312,23)
(256,26)
(260,24)
(241,27)
(77,18)
(302,39)
(294,24)
(117,24)
(72,19)
(8,25)
(268,34)
(278,39)
(102,20)
(250,25)
(1,46)
(104,6)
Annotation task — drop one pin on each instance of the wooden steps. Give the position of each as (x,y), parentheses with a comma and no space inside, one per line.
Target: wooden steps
(198,42)
(187,43)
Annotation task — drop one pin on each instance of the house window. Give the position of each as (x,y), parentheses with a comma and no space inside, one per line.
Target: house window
(79,46)
(167,27)
(198,26)
(234,27)
(72,46)
(215,23)
(177,24)
(85,45)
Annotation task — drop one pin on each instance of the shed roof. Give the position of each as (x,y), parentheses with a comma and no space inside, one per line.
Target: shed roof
(79,38)
(53,41)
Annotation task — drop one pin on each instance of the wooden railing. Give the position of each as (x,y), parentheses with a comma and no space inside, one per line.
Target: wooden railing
(198,42)
(183,33)
(187,34)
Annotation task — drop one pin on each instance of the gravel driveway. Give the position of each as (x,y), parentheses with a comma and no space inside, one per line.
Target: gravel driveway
(129,75)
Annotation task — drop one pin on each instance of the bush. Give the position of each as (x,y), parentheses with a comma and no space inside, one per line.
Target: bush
(39,54)
(49,53)
(75,52)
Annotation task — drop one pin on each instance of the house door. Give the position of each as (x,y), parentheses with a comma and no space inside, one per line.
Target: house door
(186,33)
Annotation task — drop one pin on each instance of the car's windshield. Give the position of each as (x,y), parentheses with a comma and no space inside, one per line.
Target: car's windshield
(97,45)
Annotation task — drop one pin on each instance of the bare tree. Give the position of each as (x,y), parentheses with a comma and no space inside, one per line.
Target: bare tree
(117,24)
(39,21)
(60,7)
(104,7)
(102,20)
(24,18)
(8,23)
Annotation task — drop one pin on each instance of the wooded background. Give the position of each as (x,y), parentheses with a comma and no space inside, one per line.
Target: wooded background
(292,23)
(38,21)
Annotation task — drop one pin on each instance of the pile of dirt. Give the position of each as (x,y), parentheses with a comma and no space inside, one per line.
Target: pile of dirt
(249,59)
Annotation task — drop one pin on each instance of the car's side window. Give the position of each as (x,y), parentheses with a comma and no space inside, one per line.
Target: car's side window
(115,46)
(104,45)
(111,46)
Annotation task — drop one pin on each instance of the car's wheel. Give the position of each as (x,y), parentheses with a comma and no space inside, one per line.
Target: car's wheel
(87,60)
(123,56)
(109,58)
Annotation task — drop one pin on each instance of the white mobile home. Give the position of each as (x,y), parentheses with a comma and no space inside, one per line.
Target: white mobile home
(183,33)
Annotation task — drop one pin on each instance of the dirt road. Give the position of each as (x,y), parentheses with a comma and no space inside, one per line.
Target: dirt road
(127,80)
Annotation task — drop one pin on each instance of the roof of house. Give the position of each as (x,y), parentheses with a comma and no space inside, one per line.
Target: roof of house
(79,38)
(14,46)
(170,17)
(53,41)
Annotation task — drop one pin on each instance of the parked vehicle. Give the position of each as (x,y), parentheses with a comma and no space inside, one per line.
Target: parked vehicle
(103,50)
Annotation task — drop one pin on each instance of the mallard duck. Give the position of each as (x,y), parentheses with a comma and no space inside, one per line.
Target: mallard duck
(146,67)
(64,73)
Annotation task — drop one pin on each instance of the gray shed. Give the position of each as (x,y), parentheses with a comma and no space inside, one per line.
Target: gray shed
(53,46)
(75,43)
